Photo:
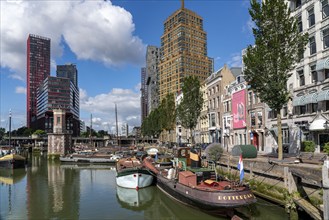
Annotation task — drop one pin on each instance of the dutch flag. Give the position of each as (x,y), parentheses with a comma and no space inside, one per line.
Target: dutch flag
(240,168)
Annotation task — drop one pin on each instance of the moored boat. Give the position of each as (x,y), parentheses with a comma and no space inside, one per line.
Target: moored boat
(12,161)
(199,187)
(8,158)
(89,158)
(132,174)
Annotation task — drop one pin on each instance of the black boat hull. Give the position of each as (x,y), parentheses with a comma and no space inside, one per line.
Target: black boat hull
(13,164)
(206,200)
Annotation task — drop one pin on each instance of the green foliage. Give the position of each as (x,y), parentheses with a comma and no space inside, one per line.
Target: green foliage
(189,109)
(277,49)
(214,152)
(161,118)
(27,132)
(167,112)
(326,148)
(39,132)
(308,146)
(277,45)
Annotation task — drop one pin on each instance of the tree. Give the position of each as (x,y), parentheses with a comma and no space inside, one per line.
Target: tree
(39,132)
(189,109)
(167,112)
(278,47)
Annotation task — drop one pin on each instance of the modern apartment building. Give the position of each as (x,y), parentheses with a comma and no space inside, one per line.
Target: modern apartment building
(306,116)
(152,75)
(183,51)
(144,98)
(38,69)
(68,71)
(58,93)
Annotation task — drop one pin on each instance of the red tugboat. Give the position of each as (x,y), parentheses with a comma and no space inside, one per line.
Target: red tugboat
(198,186)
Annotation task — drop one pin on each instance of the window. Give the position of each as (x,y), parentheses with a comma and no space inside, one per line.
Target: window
(298,3)
(312,45)
(314,74)
(250,98)
(311,17)
(260,119)
(314,107)
(284,111)
(285,135)
(255,98)
(252,119)
(325,8)
(326,73)
(213,120)
(325,34)
(301,77)
(300,23)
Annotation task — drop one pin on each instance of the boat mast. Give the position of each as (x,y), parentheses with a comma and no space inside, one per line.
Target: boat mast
(90,131)
(10,128)
(116,123)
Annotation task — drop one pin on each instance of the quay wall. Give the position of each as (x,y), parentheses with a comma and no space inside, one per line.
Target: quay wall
(272,180)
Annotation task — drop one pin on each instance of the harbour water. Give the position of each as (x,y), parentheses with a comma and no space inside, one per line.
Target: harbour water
(50,190)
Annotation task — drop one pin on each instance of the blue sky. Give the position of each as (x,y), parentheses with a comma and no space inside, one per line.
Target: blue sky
(107,42)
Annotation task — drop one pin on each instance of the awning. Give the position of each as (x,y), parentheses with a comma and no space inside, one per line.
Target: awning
(297,101)
(310,98)
(322,64)
(323,95)
(317,124)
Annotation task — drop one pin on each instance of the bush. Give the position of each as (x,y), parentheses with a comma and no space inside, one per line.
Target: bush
(214,152)
(326,148)
(308,146)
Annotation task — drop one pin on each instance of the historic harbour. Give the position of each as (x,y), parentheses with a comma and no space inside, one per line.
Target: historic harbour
(48,189)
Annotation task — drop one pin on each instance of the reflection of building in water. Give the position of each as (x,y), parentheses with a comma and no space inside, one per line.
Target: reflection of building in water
(52,192)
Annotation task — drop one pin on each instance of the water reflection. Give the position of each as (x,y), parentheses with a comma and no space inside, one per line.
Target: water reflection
(11,176)
(135,199)
(50,190)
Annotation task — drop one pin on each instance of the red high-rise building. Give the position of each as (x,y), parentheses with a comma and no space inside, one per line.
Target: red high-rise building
(38,69)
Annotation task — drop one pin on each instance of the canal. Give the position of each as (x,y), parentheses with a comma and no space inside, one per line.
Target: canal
(50,190)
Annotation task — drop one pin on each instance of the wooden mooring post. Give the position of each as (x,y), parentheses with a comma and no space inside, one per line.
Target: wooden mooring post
(292,180)
(325,183)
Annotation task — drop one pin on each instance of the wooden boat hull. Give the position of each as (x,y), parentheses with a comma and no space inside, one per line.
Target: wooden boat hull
(12,161)
(206,200)
(134,178)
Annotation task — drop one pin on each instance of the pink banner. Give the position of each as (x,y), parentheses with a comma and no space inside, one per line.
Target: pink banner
(239,109)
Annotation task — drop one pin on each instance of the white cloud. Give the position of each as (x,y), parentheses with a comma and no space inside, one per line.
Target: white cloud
(20,90)
(247,28)
(102,108)
(94,30)
(235,60)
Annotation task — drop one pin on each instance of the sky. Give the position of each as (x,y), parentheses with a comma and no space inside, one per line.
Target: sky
(107,41)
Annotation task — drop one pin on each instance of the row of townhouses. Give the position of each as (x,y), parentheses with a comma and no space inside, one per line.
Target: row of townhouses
(232,114)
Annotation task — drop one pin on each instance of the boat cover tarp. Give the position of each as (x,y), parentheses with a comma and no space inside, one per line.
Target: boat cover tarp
(247,151)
